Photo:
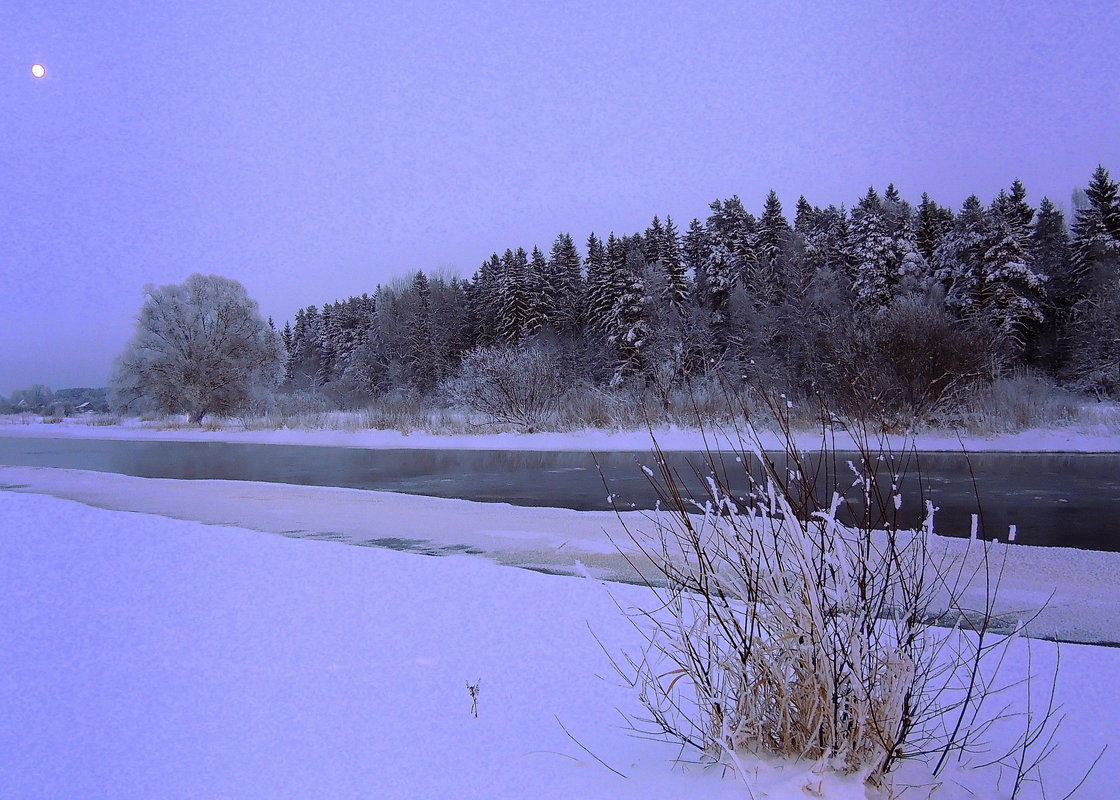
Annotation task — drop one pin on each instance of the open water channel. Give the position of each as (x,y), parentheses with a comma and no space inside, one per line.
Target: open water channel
(1053,499)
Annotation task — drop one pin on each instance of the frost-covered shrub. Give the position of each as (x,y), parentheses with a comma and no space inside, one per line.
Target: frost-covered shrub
(1021,402)
(519,386)
(795,621)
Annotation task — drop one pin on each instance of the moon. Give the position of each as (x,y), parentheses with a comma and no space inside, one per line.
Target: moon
(38,70)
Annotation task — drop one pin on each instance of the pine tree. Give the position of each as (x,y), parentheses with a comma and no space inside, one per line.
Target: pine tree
(934,223)
(676,282)
(696,251)
(421,357)
(958,260)
(599,299)
(629,330)
(541,290)
(513,296)
(564,266)
(872,249)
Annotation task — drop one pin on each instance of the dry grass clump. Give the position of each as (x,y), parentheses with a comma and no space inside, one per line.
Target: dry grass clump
(795,616)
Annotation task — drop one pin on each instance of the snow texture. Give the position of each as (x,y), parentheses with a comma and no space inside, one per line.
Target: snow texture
(146,657)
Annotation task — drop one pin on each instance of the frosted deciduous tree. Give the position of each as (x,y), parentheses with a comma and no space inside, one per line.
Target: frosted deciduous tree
(200,347)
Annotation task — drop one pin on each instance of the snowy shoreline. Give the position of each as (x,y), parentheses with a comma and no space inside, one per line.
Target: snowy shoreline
(1077,590)
(1085,439)
(148,656)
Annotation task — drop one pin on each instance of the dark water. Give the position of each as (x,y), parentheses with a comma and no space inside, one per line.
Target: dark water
(1065,500)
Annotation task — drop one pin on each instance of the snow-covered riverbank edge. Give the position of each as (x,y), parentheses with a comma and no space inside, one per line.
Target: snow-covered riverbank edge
(1077,590)
(1103,438)
(146,656)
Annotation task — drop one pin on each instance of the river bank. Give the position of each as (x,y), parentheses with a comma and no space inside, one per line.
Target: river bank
(1065,593)
(1103,437)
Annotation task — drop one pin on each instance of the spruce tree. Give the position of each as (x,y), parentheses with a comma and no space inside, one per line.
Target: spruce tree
(771,242)
(773,229)
(513,294)
(599,300)
(729,224)
(652,241)
(934,223)
(629,329)
(1095,358)
(697,248)
(564,266)
(1096,234)
(958,260)
(873,250)
(541,290)
(676,282)
(719,271)
(805,217)
(1011,291)
(1051,253)
(485,299)
(421,358)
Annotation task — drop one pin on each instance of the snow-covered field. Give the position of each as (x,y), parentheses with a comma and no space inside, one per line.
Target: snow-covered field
(150,657)
(1098,438)
(184,650)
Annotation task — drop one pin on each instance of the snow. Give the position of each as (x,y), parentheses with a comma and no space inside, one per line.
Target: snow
(1103,437)
(147,656)
(1077,590)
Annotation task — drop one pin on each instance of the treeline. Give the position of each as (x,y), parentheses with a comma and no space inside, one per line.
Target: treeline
(39,399)
(888,306)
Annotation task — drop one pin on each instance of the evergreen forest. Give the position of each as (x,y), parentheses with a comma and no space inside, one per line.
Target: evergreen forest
(888,308)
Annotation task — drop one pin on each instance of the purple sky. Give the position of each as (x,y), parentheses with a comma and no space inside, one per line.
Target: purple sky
(312,150)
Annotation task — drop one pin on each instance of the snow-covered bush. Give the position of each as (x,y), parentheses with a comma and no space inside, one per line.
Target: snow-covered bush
(796,616)
(905,362)
(519,386)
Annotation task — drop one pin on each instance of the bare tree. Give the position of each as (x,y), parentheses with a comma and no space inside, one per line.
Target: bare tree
(200,347)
